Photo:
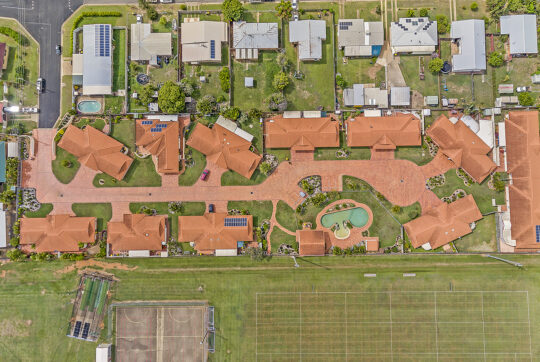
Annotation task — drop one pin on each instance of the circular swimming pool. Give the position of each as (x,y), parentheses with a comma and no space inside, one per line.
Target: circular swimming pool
(358,216)
(89,106)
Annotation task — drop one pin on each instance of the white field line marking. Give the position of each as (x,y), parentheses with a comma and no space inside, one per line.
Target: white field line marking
(436,328)
(256,326)
(391,343)
(406,353)
(300,326)
(386,322)
(529,317)
(483,326)
(403,292)
(346,332)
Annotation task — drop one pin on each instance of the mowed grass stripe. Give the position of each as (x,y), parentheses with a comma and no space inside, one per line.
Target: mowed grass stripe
(460,338)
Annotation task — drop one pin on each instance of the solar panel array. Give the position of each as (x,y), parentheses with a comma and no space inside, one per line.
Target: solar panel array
(155,129)
(77,329)
(85,330)
(234,221)
(344,25)
(538,233)
(102,40)
(147,122)
(212,49)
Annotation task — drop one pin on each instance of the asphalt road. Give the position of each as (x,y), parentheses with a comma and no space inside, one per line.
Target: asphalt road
(43,19)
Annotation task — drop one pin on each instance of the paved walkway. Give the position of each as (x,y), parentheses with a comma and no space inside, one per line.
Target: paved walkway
(400,181)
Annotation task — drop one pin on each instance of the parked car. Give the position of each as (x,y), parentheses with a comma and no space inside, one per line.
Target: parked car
(139,18)
(58,49)
(295,17)
(211,208)
(522,89)
(295,4)
(204,174)
(40,85)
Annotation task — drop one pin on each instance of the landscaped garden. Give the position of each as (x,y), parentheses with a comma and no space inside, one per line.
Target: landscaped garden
(43,211)
(65,166)
(344,152)
(261,210)
(194,165)
(278,237)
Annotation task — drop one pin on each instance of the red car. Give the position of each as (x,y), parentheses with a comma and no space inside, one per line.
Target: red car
(204,175)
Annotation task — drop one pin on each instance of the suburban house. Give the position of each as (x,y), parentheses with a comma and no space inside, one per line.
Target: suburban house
(312,242)
(57,233)
(400,96)
(249,38)
(375,97)
(201,41)
(226,145)
(470,36)
(354,97)
(216,233)
(4,49)
(93,68)
(301,134)
(96,150)
(413,36)
(463,147)
(443,224)
(359,38)
(147,46)
(523,193)
(309,36)
(137,235)
(384,133)
(3,226)
(162,137)
(520,30)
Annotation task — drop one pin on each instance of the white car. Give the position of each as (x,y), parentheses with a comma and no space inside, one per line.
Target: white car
(295,4)
(522,89)
(295,17)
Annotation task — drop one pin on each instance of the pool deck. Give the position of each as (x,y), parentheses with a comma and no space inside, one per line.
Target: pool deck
(355,236)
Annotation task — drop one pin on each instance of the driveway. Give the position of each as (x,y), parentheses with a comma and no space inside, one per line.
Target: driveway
(400,181)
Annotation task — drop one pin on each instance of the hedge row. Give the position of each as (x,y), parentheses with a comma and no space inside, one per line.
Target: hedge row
(18,37)
(89,14)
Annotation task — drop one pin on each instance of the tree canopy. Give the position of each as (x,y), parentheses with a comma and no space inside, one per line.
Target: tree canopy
(435,65)
(526,99)
(170,98)
(281,81)
(284,9)
(232,10)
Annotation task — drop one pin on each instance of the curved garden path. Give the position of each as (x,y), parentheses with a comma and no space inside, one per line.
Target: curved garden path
(402,182)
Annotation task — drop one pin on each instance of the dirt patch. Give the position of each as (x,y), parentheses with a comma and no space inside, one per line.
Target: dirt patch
(43,291)
(3,274)
(372,71)
(417,100)
(88,263)
(13,328)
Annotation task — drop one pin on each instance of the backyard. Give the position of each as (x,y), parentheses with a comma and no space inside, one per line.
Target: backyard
(119,60)
(20,91)
(194,169)
(210,72)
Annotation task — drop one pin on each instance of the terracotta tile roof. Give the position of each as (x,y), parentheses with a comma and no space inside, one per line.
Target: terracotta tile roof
(311,242)
(384,132)
(372,244)
(301,133)
(224,148)
(137,232)
(523,157)
(209,232)
(3,47)
(162,140)
(57,232)
(463,147)
(444,223)
(96,150)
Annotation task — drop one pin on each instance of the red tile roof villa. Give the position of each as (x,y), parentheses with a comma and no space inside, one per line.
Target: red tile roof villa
(137,232)
(301,134)
(444,223)
(384,133)
(215,233)
(463,147)
(54,233)
(96,150)
(225,149)
(311,242)
(523,157)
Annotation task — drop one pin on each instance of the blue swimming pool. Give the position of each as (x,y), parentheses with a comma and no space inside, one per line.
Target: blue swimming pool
(89,106)
(357,216)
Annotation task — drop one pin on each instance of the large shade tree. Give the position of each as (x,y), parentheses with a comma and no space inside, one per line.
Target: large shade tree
(170,98)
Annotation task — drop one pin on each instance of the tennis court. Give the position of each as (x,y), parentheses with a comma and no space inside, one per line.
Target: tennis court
(161,333)
(399,326)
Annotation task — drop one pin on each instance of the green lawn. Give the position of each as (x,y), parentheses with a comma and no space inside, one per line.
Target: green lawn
(355,153)
(192,174)
(29,55)
(97,123)
(263,72)
(103,213)
(286,216)
(38,305)
(231,178)
(261,210)
(359,70)
(43,211)
(418,155)
(65,104)
(361,10)
(114,105)
(162,208)
(279,237)
(119,59)
(317,88)
(411,72)
(481,193)
(482,239)
(212,85)
(62,173)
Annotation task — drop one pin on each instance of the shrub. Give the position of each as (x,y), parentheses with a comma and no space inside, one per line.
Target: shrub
(221,98)
(18,37)
(66,163)
(206,104)
(277,102)
(14,241)
(265,168)
(152,13)
(336,250)
(232,10)
(378,9)
(435,65)
(281,81)
(163,20)
(474,6)
(231,113)
(396,209)
(170,98)
(255,113)
(424,12)
(495,59)
(410,13)
(442,24)
(183,7)
(284,9)
(341,82)
(413,214)
(7,196)
(225,79)
(16,255)
(526,99)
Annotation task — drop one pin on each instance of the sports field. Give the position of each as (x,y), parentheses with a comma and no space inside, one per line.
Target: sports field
(455,308)
(383,326)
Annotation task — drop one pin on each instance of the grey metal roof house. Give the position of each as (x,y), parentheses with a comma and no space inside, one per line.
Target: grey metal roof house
(309,35)
(413,35)
(470,35)
(354,97)
(400,96)
(521,30)
(147,46)
(97,59)
(248,38)
(358,38)
(376,97)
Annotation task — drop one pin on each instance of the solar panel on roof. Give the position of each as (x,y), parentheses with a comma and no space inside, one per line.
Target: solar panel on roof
(85,330)
(408,20)
(538,233)
(77,329)
(212,49)
(415,23)
(235,221)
